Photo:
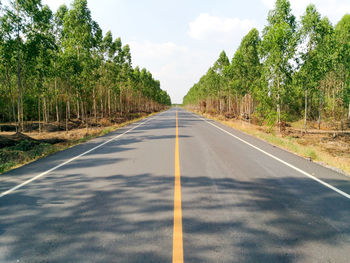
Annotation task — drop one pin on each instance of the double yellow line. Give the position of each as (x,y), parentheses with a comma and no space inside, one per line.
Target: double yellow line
(177,231)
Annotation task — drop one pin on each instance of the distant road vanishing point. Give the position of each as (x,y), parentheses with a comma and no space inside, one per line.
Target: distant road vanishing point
(174,188)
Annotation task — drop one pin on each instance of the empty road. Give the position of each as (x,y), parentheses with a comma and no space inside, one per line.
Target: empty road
(174,187)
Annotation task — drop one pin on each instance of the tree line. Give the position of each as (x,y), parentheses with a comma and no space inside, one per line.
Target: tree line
(60,66)
(292,70)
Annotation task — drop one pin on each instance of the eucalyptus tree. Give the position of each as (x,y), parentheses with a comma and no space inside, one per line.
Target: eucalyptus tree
(8,49)
(81,35)
(342,40)
(51,65)
(316,60)
(310,35)
(15,22)
(324,63)
(125,78)
(212,83)
(108,51)
(41,47)
(136,78)
(278,49)
(293,66)
(123,68)
(246,68)
(62,91)
(220,78)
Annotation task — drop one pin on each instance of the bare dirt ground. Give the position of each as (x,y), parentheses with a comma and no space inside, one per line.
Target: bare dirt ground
(54,132)
(18,148)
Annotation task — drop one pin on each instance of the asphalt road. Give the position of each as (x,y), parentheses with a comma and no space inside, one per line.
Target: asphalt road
(240,200)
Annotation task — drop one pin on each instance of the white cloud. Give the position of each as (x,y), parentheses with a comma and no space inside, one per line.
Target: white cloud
(169,62)
(153,50)
(219,29)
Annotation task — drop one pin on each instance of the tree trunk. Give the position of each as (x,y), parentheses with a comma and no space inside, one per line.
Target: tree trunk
(67,110)
(45,119)
(278,106)
(56,103)
(319,112)
(126,103)
(48,110)
(250,108)
(82,110)
(115,102)
(78,108)
(22,115)
(333,107)
(18,75)
(229,102)
(12,99)
(121,103)
(39,114)
(19,111)
(139,104)
(106,104)
(109,103)
(68,107)
(305,117)
(319,119)
(86,117)
(14,112)
(101,103)
(94,100)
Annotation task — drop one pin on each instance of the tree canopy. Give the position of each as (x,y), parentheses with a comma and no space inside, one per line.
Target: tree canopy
(293,69)
(56,67)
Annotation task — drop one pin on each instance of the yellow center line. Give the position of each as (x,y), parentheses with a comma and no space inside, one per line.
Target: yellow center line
(177,231)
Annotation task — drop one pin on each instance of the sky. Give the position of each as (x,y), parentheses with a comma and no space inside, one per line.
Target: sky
(177,41)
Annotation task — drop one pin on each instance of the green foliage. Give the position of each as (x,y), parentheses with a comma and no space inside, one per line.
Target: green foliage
(296,66)
(270,119)
(25,145)
(342,46)
(246,67)
(61,66)
(22,152)
(277,50)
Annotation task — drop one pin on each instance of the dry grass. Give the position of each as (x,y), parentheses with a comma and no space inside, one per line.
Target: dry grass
(19,155)
(325,149)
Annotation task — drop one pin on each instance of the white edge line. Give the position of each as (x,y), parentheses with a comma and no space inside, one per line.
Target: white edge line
(70,160)
(281,161)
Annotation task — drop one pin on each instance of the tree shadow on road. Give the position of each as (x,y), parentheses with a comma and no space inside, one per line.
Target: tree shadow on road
(265,220)
(122,218)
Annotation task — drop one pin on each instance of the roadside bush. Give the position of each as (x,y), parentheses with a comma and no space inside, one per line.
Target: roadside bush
(25,145)
(23,152)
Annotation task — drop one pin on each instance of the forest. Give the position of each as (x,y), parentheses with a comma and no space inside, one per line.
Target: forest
(55,67)
(292,70)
